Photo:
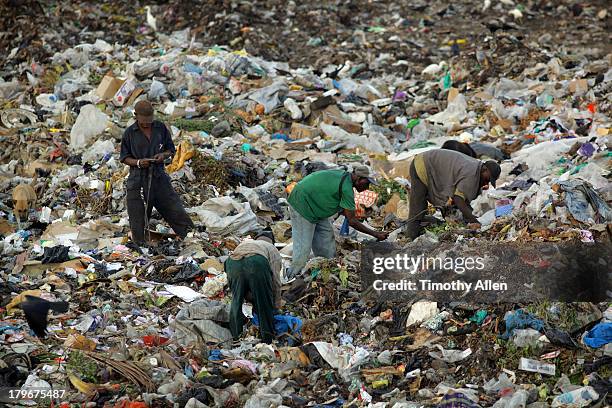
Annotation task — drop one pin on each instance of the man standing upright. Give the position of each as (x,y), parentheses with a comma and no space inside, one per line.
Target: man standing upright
(144,147)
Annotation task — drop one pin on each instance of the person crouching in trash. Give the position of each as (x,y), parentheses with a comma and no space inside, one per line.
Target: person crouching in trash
(442,176)
(253,273)
(144,147)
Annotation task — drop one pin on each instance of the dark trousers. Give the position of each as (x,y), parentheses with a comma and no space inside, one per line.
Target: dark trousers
(165,200)
(251,275)
(417,204)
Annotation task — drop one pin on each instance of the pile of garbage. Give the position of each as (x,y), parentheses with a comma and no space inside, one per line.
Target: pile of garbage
(136,327)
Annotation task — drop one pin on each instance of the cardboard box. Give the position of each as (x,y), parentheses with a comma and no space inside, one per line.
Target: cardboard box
(299,131)
(124,92)
(108,87)
(333,115)
(120,91)
(579,86)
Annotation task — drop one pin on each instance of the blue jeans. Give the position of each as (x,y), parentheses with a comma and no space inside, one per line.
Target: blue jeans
(306,236)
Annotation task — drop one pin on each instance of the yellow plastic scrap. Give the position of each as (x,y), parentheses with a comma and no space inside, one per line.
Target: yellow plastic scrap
(82,386)
(241,52)
(184,152)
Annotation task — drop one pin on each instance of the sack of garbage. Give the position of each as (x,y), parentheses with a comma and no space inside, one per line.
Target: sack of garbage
(224,216)
(197,322)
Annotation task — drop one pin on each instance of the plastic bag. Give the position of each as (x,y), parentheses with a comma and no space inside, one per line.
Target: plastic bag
(578,398)
(584,203)
(215,215)
(454,114)
(98,150)
(90,123)
(269,96)
(450,356)
(157,89)
(197,322)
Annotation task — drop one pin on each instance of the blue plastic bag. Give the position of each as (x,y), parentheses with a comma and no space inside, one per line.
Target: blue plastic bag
(283,325)
(598,336)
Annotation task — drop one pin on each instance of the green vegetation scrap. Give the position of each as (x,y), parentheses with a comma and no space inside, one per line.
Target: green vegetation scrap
(210,171)
(194,125)
(79,363)
(385,190)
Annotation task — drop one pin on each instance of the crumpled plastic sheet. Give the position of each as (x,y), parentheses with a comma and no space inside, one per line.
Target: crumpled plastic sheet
(494,386)
(269,96)
(195,323)
(584,203)
(455,113)
(56,254)
(228,397)
(342,358)
(216,212)
(341,139)
(267,395)
(98,150)
(450,356)
(517,399)
(519,319)
(540,157)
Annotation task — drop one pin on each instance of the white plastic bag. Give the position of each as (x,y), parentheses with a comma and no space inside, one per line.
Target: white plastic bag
(98,150)
(157,89)
(454,114)
(90,123)
(214,214)
(421,311)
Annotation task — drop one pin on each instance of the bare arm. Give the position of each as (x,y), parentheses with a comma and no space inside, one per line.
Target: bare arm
(358,225)
(132,162)
(465,209)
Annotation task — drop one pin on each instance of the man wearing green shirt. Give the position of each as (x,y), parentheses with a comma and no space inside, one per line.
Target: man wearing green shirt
(313,201)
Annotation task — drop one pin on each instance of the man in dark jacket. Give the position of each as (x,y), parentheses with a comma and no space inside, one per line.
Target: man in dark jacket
(144,147)
(445,177)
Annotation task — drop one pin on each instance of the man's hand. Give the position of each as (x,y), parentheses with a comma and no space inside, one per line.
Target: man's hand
(144,163)
(474,226)
(355,223)
(381,236)
(159,157)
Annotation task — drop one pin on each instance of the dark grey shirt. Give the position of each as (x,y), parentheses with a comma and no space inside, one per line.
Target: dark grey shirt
(136,145)
(451,173)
